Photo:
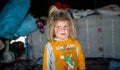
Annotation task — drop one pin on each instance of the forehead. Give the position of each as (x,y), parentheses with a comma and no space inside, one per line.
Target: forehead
(62,22)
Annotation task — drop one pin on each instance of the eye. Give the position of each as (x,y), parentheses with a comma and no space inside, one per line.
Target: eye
(66,26)
(58,27)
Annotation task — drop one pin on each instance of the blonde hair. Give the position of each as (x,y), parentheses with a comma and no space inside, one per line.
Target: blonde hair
(62,15)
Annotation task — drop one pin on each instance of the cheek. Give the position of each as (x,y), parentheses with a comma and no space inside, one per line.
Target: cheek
(57,32)
(68,30)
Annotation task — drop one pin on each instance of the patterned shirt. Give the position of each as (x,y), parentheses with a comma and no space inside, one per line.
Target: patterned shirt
(67,55)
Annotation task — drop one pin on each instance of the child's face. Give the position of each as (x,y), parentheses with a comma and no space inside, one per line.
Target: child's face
(62,29)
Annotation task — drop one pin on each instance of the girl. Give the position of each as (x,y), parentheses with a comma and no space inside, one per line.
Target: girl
(63,51)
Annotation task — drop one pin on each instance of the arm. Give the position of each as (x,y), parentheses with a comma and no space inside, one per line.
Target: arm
(45,59)
(80,59)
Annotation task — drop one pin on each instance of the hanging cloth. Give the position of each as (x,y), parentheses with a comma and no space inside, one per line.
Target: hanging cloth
(11,17)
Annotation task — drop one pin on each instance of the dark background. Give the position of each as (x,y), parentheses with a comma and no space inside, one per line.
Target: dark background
(40,7)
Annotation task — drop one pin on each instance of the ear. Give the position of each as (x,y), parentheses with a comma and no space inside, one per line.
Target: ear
(52,9)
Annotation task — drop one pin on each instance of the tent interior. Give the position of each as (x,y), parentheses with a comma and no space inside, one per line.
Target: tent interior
(23,32)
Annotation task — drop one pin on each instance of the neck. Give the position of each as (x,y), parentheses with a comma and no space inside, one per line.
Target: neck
(60,39)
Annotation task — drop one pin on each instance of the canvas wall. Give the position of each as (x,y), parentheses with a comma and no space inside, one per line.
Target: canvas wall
(98,34)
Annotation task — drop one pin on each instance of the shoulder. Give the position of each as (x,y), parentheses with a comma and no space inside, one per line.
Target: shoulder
(47,44)
(76,40)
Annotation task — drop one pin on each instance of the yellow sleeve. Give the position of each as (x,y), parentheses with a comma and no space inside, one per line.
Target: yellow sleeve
(81,58)
(44,67)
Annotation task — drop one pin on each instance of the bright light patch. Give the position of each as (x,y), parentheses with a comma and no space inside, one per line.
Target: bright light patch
(22,39)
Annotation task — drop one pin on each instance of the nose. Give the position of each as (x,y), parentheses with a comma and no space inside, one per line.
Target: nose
(63,28)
